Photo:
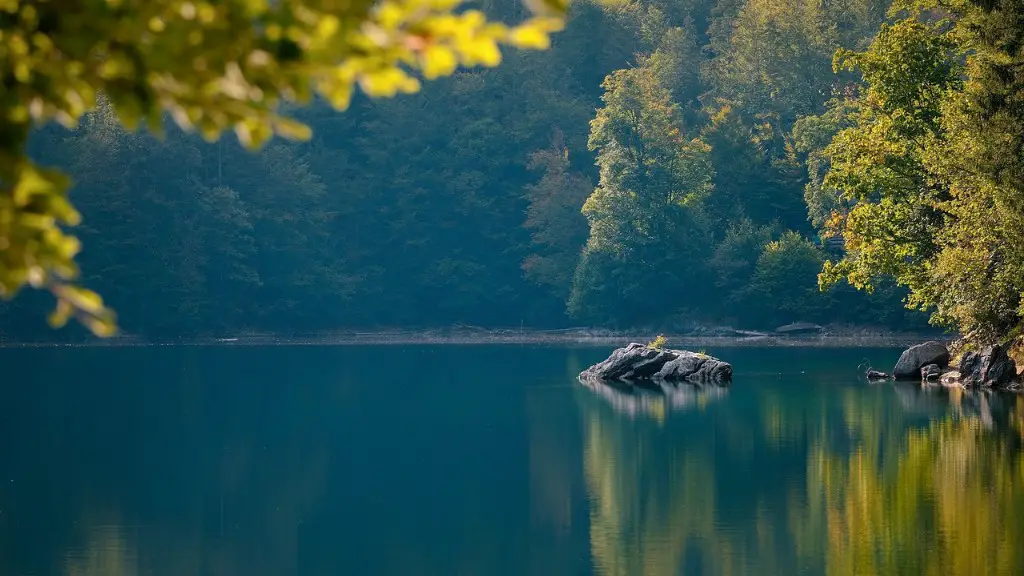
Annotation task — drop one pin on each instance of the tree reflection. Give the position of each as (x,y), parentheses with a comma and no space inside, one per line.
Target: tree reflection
(950,502)
(650,495)
(108,553)
(833,480)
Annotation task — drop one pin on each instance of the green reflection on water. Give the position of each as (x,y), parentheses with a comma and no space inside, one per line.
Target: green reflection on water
(833,480)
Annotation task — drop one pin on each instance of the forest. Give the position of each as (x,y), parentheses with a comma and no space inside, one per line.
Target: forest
(665,164)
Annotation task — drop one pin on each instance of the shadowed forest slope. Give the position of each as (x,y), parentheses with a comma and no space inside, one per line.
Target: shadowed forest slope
(658,166)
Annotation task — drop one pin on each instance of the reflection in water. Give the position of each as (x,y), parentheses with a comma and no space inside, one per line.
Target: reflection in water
(555,485)
(948,500)
(651,498)
(831,480)
(950,503)
(655,399)
(305,461)
(107,553)
(175,472)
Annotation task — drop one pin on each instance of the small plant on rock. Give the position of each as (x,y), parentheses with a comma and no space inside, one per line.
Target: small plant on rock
(658,343)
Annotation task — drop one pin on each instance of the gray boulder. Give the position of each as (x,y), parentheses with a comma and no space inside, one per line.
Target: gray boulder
(931,373)
(916,357)
(638,362)
(990,368)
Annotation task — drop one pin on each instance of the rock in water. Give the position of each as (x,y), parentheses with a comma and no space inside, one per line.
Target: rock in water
(931,373)
(989,368)
(917,357)
(638,362)
(951,379)
(876,375)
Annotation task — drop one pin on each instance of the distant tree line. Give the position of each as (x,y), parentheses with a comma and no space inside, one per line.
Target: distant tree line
(664,164)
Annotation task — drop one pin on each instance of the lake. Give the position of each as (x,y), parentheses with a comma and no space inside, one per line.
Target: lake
(490,460)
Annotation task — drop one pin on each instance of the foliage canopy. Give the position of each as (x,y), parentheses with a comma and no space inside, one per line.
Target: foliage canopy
(212,66)
(929,173)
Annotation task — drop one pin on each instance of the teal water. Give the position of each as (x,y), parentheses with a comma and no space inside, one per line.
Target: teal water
(493,460)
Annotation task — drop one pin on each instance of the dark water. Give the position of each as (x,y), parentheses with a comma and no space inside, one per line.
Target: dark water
(493,460)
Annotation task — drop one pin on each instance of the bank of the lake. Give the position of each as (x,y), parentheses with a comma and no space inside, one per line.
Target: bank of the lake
(829,337)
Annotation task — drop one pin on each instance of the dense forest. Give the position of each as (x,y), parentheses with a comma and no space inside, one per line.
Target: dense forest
(665,164)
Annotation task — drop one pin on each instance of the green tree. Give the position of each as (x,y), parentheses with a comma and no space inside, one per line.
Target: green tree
(776,61)
(645,219)
(748,180)
(425,197)
(929,172)
(878,163)
(676,63)
(978,279)
(735,258)
(786,275)
(811,137)
(558,227)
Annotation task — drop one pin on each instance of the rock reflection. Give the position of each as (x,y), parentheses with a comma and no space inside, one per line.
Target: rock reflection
(994,409)
(924,400)
(655,399)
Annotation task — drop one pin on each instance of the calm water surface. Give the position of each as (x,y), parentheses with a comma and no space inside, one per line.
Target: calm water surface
(493,460)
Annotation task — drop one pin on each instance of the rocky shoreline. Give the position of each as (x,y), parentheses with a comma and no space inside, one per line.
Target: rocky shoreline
(989,367)
(930,363)
(828,338)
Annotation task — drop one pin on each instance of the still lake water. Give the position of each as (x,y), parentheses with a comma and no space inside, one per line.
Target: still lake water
(491,460)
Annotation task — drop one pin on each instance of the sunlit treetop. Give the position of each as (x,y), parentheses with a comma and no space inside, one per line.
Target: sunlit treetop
(212,66)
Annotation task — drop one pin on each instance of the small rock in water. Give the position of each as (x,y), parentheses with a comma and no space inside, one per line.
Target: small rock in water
(931,373)
(917,357)
(951,379)
(876,375)
(639,362)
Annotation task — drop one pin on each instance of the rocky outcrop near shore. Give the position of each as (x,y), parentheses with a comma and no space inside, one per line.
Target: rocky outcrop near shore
(639,362)
(989,367)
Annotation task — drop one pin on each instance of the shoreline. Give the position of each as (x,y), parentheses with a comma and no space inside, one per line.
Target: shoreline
(585,338)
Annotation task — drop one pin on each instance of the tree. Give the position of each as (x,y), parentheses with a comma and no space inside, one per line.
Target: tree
(644,217)
(748,182)
(786,275)
(558,227)
(734,260)
(456,195)
(676,63)
(212,66)
(776,61)
(978,278)
(811,136)
(929,171)
(878,163)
